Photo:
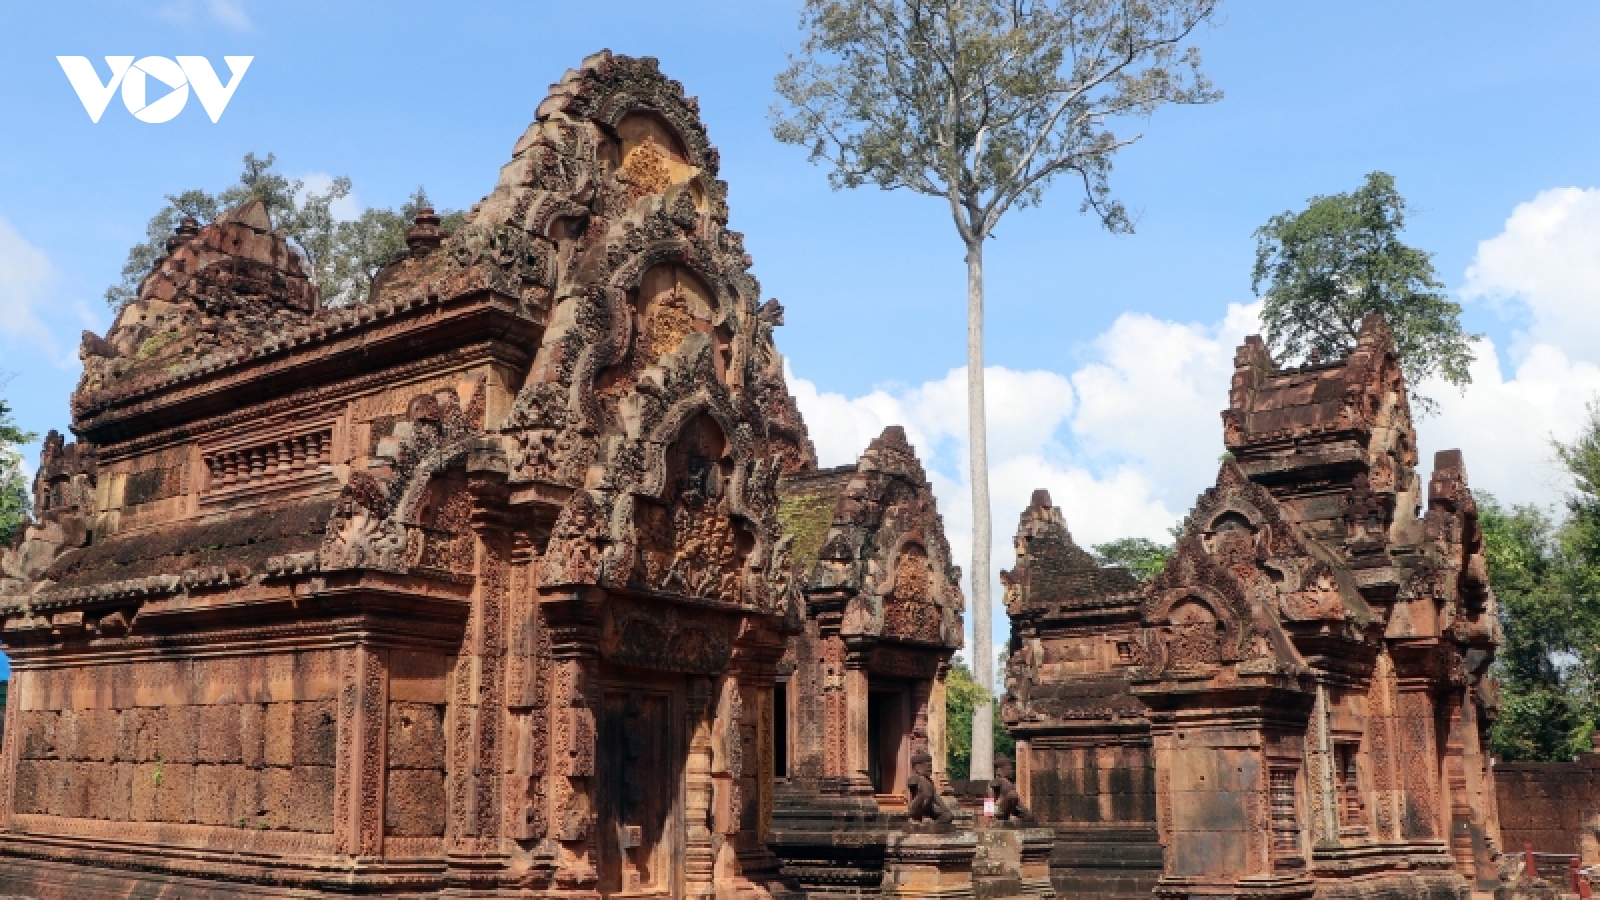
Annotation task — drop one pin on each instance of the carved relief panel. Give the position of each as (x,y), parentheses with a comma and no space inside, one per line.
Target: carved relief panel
(690,544)
(910,611)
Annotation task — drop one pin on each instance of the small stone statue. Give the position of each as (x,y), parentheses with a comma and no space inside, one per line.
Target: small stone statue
(1008,805)
(923,802)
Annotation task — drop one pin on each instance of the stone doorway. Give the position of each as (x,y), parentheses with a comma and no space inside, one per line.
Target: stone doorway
(888,742)
(638,796)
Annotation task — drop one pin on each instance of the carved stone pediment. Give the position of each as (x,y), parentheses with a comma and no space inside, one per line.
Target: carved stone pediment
(879,541)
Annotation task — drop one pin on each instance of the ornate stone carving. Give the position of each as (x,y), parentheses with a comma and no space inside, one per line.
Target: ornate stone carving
(654,637)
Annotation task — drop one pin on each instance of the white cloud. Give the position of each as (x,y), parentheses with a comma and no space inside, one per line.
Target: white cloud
(1545,265)
(230,13)
(1123,444)
(343,209)
(1504,426)
(26,276)
(1155,394)
(1544,269)
(1126,441)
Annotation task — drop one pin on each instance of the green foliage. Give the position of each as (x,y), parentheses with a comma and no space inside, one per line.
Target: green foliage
(1140,556)
(9,432)
(1321,270)
(962,694)
(1580,539)
(1546,703)
(366,244)
(984,102)
(1546,575)
(14,499)
(341,258)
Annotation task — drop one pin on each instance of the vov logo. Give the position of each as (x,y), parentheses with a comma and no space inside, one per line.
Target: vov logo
(134,78)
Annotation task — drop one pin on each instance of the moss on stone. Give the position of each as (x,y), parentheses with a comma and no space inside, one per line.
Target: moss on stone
(806,518)
(155,343)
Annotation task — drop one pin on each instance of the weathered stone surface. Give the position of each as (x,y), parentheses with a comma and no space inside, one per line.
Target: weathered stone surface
(415,802)
(416,736)
(1298,703)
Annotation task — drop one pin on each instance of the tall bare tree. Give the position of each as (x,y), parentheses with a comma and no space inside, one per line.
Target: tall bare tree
(983,103)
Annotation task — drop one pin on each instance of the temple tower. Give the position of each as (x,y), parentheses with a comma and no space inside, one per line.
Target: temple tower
(475,588)
(1311,664)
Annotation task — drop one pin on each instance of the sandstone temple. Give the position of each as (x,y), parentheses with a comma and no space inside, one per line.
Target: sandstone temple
(521,580)
(1297,705)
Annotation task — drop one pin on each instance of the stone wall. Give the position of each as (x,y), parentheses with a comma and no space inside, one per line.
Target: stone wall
(1554,806)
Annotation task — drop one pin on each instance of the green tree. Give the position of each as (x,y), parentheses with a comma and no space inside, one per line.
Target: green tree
(1321,270)
(1140,556)
(982,103)
(341,258)
(367,243)
(14,501)
(962,695)
(1546,575)
(1545,711)
(1580,539)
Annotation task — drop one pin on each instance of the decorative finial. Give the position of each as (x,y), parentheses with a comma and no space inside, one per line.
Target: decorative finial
(424,236)
(181,235)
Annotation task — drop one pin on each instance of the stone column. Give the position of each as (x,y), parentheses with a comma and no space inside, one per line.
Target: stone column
(1482,816)
(938,735)
(699,858)
(475,831)
(921,715)
(1453,782)
(727,762)
(835,711)
(1322,783)
(1382,734)
(755,662)
(21,681)
(1418,761)
(760,777)
(527,760)
(856,694)
(361,761)
(572,616)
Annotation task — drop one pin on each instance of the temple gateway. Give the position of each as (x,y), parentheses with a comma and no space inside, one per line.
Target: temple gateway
(521,580)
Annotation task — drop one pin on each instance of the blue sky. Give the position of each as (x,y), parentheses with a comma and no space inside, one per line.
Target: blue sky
(1110,353)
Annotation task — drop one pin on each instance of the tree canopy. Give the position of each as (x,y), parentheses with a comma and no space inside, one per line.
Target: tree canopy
(1142,557)
(1546,575)
(14,498)
(962,694)
(984,102)
(1321,270)
(340,257)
